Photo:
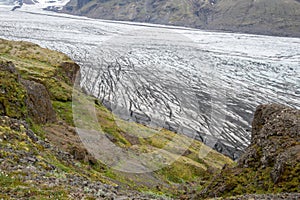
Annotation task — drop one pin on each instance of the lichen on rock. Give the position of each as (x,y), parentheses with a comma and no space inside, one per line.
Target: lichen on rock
(275,136)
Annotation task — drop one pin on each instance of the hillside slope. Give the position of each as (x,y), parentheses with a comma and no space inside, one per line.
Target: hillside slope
(42,157)
(175,12)
(270,17)
(41,154)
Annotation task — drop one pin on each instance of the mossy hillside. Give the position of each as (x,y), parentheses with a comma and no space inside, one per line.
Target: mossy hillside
(191,167)
(41,65)
(237,181)
(36,160)
(13,95)
(45,66)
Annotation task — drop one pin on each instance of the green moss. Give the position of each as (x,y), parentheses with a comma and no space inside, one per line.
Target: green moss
(49,158)
(180,172)
(13,96)
(238,181)
(30,51)
(36,128)
(59,91)
(7,181)
(41,65)
(64,111)
(34,192)
(290,179)
(109,125)
(109,173)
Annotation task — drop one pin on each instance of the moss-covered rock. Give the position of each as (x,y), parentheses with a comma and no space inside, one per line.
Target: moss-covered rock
(271,162)
(13,94)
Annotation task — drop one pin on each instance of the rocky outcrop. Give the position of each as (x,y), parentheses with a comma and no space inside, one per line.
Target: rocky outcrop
(38,102)
(24,98)
(271,163)
(71,70)
(275,139)
(27,91)
(8,66)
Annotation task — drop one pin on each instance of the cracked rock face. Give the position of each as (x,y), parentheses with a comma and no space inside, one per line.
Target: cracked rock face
(275,139)
(203,84)
(38,102)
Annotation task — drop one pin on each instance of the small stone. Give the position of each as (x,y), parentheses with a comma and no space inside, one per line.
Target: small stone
(85,183)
